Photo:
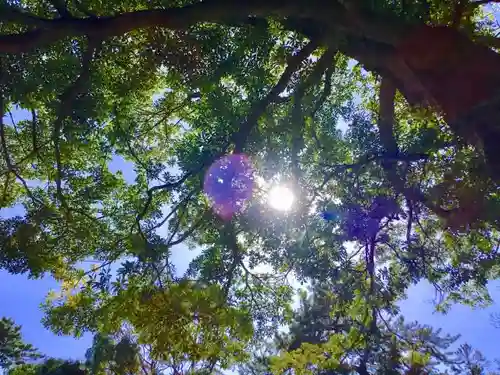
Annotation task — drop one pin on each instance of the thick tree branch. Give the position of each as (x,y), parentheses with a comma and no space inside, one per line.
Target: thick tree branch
(384,60)
(327,90)
(105,27)
(386,118)
(329,13)
(10,13)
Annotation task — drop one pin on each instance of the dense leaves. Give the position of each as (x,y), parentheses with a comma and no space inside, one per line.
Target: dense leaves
(13,350)
(113,112)
(50,367)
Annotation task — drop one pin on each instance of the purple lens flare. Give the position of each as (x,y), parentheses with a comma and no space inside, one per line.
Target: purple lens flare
(229,184)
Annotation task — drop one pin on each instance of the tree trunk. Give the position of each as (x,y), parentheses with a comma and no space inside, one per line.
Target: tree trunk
(461,79)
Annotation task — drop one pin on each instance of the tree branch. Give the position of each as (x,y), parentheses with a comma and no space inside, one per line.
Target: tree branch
(10,13)
(166,186)
(327,90)
(409,223)
(236,253)
(239,139)
(188,232)
(61,7)
(10,167)
(323,64)
(483,2)
(488,40)
(183,203)
(329,13)
(34,124)
(105,27)
(67,100)
(458,12)
(385,125)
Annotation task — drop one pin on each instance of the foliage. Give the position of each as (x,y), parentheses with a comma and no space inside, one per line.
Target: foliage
(50,367)
(161,89)
(13,350)
(106,355)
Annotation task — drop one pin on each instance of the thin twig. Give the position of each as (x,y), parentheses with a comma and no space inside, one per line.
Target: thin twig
(34,125)
(5,151)
(190,231)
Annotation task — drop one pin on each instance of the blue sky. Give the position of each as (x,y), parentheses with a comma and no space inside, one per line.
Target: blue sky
(473,324)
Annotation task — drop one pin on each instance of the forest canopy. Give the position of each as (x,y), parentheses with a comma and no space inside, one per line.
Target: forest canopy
(228,112)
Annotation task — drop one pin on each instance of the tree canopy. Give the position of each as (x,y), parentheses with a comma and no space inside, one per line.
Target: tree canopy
(214,104)
(13,350)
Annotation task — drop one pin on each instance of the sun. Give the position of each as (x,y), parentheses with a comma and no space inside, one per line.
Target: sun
(280,198)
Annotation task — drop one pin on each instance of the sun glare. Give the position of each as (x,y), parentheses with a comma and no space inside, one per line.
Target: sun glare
(280,198)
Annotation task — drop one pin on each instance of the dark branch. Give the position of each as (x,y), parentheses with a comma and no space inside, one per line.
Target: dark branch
(488,40)
(327,90)
(239,139)
(328,13)
(483,2)
(236,255)
(167,186)
(105,27)
(5,151)
(197,224)
(324,63)
(61,7)
(34,125)
(458,13)
(386,131)
(67,100)
(9,13)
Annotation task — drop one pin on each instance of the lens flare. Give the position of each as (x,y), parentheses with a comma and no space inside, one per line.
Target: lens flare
(229,184)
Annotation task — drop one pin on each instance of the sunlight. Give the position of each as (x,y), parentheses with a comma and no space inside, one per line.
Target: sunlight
(280,198)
